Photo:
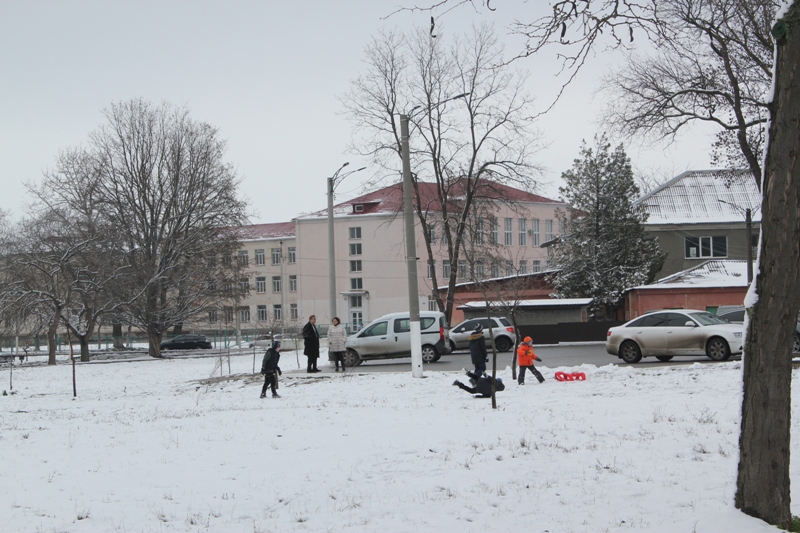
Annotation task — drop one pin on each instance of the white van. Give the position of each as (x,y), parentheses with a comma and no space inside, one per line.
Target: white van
(389,337)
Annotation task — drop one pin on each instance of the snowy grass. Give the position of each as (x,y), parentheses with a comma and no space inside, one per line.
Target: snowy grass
(167,446)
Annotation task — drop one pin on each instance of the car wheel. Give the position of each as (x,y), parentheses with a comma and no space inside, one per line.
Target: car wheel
(630,352)
(503,344)
(452,346)
(717,349)
(351,358)
(796,345)
(664,358)
(429,354)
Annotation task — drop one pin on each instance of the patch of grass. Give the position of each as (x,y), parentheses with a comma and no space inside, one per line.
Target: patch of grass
(795,525)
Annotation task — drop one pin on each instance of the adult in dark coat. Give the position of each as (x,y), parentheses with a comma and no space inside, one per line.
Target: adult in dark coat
(311,344)
(477,350)
(271,370)
(483,385)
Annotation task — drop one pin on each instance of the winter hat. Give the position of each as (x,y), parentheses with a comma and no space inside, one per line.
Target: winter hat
(499,380)
(527,339)
(276,345)
(478,328)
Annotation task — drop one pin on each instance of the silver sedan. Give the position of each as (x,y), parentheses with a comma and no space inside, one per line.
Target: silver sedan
(666,334)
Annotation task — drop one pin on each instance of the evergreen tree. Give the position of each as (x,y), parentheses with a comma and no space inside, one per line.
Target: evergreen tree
(604,248)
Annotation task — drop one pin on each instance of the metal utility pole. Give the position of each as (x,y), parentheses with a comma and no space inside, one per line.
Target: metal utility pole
(748,218)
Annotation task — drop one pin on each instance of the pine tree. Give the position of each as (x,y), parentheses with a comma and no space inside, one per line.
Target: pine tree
(604,249)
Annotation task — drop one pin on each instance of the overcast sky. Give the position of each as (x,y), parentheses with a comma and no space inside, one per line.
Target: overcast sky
(266,73)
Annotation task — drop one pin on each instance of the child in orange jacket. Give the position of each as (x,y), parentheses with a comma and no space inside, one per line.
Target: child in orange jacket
(525,359)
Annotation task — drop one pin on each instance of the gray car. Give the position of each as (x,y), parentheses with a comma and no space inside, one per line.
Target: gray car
(735,315)
(503,331)
(666,334)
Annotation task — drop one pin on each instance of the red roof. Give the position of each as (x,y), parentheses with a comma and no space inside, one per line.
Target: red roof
(390,199)
(267,231)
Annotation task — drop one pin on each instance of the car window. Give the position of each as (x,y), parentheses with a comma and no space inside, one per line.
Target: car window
(505,322)
(402,325)
(707,319)
(426,322)
(735,316)
(468,325)
(677,320)
(376,330)
(651,321)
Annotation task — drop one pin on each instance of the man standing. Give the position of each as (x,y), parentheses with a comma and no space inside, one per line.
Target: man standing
(311,344)
(477,350)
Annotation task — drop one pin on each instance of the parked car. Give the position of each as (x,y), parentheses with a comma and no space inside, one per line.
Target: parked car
(186,342)
(262,341)
(666,334)
(503,331)
(735,315)
(389,337)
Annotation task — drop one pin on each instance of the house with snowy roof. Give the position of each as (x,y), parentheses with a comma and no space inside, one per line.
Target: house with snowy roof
(701,215)
(706,286)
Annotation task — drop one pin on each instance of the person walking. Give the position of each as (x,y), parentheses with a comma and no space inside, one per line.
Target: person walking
(483,385)
(311,344)
(337,337)
(525,359)
(477,350)
(271,370)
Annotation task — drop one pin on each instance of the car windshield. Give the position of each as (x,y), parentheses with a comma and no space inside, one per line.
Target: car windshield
(707,319)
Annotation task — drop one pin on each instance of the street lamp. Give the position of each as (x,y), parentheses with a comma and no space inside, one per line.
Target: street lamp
(332,182)
(411,245)
(748,219)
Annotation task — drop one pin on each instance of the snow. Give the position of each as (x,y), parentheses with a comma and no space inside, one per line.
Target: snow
(155,445)
(541,302)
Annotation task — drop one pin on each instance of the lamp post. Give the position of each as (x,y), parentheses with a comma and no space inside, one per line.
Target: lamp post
(411,245)
(332,182)
(748,219)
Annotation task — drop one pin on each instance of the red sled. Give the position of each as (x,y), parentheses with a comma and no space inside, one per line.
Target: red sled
(574,376)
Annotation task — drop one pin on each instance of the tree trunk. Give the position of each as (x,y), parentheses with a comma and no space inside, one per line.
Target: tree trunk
(52,331)
(117,334)
(762,486)
(84,343)
(154,341)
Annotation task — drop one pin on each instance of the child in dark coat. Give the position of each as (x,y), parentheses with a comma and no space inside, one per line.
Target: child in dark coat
(271,370)
(483,385)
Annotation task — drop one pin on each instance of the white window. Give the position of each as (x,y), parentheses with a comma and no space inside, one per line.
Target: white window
(276,256)
(706,247)
(355,248)
(509,231)
(292,283)
(243,258)
(548,230)
(537,265)
(292,255)
(244,285)
(480,270)
(355,266)
(523,231)
(212,316)
(432,233)
(356,284)
(535,232)
(478,237)
(495,270)
(244,314)
(294,313)
(260,259)
(356,320)
(261,284)
(523,267)
(494,228)
(431,268)
(276,284)
(262,313)
(277,312)
(510,268)
(446,269)
(355,233)
(462,269)
(355,301)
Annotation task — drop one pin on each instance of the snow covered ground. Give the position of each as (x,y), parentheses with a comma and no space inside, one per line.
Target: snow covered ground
(162,445)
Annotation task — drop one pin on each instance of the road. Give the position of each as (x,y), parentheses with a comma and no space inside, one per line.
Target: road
(569,355)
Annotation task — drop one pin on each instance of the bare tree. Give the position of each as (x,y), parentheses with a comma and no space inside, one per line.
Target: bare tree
(713,64)
(163,186)
(459,148)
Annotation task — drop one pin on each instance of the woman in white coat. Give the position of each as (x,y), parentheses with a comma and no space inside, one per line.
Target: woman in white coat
(337,337)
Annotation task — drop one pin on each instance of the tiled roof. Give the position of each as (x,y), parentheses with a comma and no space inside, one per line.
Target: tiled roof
(390,199)
(704,196)
(714,273)
(254,232)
